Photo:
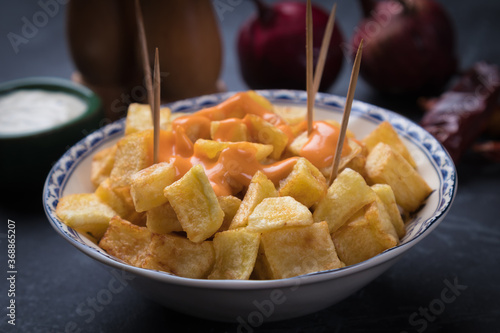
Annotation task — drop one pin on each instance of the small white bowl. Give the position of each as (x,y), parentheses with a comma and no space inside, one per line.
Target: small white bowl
(251,302)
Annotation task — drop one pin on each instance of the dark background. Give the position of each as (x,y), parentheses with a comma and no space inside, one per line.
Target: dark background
(54,277)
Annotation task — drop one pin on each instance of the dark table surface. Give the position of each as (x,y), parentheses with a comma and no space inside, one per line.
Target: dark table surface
(54,278)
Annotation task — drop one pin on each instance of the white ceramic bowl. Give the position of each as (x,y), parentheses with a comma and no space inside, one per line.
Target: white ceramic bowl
(252,302)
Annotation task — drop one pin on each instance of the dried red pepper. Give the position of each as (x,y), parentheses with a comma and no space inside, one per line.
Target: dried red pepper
(459,116)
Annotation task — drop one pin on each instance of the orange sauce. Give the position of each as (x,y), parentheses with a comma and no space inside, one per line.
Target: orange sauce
(230,130)
(321,145)
(233,168)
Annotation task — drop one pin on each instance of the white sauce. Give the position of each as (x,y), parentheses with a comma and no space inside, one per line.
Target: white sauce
(25,111)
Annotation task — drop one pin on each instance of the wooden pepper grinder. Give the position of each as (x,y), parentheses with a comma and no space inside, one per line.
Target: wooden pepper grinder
(103,42)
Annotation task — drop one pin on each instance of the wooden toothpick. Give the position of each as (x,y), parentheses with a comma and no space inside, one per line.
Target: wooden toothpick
(156,107)
(325,44)
(144,53)
(309,68)
(347,112)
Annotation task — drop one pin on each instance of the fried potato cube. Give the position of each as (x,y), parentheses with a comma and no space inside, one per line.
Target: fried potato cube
(357,163)
(380,220)
(296,145)
(126,241)
(178,255)
(266,133)
(262,269)
(146,185)
(293,115)
(385,193)
(264,102)
(132,155)
(368,233)
(85,213)
(232,130)
(212,149)
(355,149)
(174,116)
(235,254)
(387,134)
(229,205)
(347,194)
(300,250)
(195,203)
(305,183)
(193,128)
(260,188)
(162,219)
(386,166)
(278,212)
(303,137)
(139,118)
(137,218)
(298,129)
(102,164)
(355,241)
(114,199)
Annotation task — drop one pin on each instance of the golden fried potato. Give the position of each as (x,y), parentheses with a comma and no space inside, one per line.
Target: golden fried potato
(278,212)
(385,193)
(381,223)
(238,130)
(195,203)
(357,163)
(260,188)
(85,213)
(146,185)
(126,241)
(194,130)
(355,241)
(162,219)
(212,149)
(137,218)
(384,165)
(235,254)
(132,155)
(295,251)
(110,197)
(139,118)
(179,256)
(264,102)
(293,115)
(301,138)
(265,133)
(355,152)
(262,269)
(387,134)
(102,164)
(356,149)
(347,194)
(305,183)
(174,116)
(296,145)
(229,205)
(368,233)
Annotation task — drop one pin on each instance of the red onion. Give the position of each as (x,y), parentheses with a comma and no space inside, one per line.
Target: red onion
(409,46)
(271,47)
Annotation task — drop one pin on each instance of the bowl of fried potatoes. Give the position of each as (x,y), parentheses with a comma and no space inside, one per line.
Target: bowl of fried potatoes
(237,218)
